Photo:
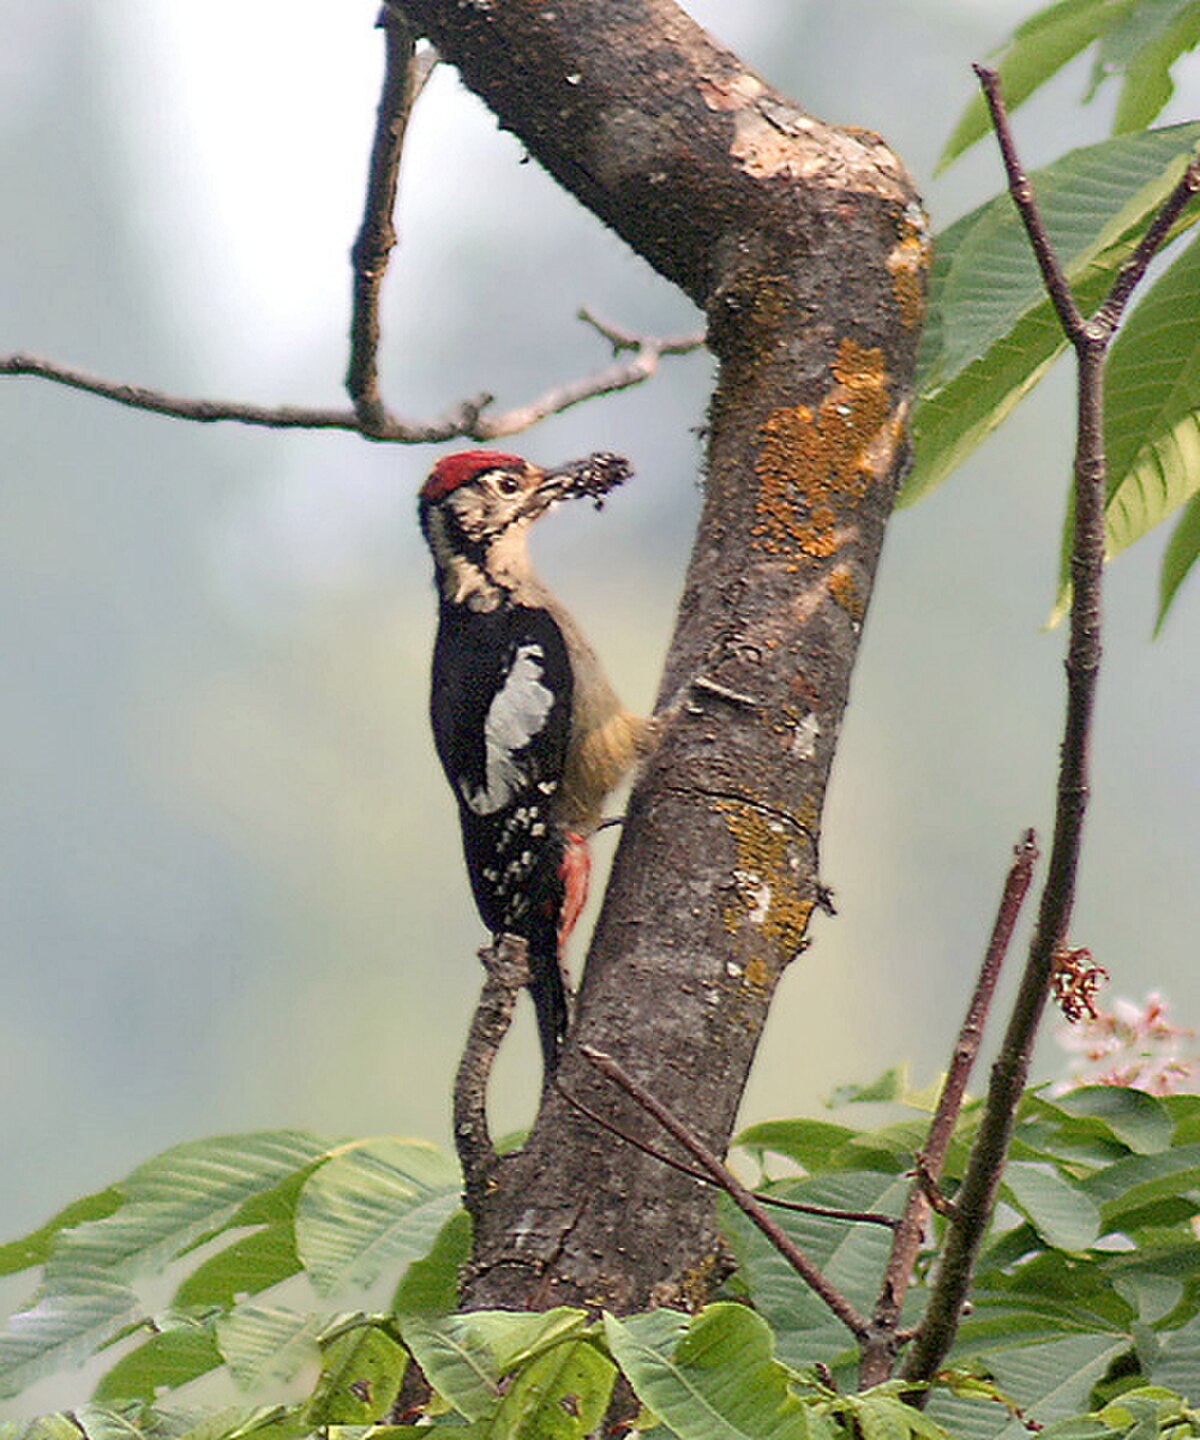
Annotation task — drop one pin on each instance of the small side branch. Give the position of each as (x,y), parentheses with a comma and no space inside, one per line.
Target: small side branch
(880,1352)
(775,1202)
(748,1203)
(507,967)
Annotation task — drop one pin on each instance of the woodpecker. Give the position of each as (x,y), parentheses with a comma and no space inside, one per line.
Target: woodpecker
(528,729)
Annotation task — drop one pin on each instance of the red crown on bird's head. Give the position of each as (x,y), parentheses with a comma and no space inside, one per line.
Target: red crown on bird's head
(451,471)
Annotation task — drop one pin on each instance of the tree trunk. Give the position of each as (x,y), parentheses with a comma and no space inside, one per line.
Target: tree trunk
(805,245)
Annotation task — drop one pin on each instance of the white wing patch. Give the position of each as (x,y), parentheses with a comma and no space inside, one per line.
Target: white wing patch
(514,717)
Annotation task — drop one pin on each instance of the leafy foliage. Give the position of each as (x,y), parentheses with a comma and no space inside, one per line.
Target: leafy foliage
(1088,1288)
(992,333)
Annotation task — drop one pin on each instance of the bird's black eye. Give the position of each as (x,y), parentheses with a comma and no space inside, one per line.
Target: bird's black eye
(507,484)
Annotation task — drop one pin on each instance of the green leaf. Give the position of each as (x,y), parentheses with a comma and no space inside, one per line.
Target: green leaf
(430,1285)
(851,1256)
(252,1264)
(188,1193)
(1180,556)
(1136,1119)
(1130,1185)
(720,1382)
(808,1142)
(1062,1214)
(34,1248)
(992,332)
(1178,1363)
(1038,49)
(361,1373)
(1169,28)
(184,1348)
(1152,400)
(62,1327)
(264,1344)
(465,1357)
(893,1084)
(376,1207)
(1050,1381)
(559,1395)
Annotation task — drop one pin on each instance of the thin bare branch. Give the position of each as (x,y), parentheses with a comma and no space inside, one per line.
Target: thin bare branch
(1110,312)
(1057,286)
(507,969)
(622,339)
(879,1354)
(377,235)
(748,1203)
(468,420)
(797,1207)
(976,1198)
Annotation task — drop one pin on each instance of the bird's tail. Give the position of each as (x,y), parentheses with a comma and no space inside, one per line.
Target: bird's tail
(550,1002)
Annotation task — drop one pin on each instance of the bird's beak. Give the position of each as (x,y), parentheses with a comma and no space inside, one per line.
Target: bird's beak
(591,478)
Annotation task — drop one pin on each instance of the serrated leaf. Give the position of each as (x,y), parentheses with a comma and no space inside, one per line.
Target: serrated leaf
(560,1395)
(1038,49)
(62,1328)
(263,1344)
(179,1197)
(1091,200)
(1152,428)
(1061,1213)
(430,1285)
(1152,400)
(721,1381)
(376,1207)
(98,1422)
(184,1348)
(1182,549)
(992,333)
(361,1373)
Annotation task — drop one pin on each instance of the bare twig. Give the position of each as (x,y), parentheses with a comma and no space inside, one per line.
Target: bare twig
(748,1203)
(798,1207)
(1090,339)
(377,235)
(507,967)
(622,339)
(466,420)
(879,1354)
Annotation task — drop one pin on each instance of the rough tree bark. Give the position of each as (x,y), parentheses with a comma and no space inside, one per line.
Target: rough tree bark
(805,246)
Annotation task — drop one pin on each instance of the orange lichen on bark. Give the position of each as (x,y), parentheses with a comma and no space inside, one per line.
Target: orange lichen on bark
(809,464)
(908,265)
(766,877)
(846,592)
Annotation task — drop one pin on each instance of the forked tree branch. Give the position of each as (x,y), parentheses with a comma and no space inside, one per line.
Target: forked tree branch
(1090,339)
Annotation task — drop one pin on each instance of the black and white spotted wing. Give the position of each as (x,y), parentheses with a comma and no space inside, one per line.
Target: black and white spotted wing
(502,719)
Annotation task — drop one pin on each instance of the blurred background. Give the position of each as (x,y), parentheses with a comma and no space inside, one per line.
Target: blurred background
(232,891)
